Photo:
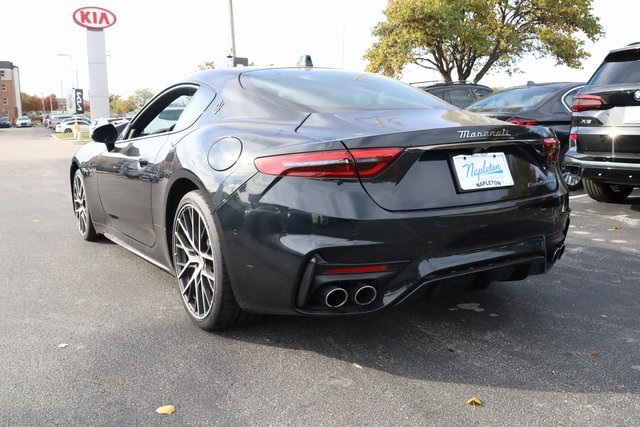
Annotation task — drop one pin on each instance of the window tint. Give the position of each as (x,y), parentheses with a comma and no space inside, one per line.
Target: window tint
(176,109)
(327,91)
(480,92)
(167,118)
(624,70)
(514,98)
(194,109)
(461,97)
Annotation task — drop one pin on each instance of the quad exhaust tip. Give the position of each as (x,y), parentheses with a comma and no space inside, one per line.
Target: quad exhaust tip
(557,254)
(337,296)
(364,295)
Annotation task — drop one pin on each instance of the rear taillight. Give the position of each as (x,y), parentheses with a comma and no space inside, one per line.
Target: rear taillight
(522,122)
(366,163)
(589,102)
(551,148)
(357,269)
(573,140)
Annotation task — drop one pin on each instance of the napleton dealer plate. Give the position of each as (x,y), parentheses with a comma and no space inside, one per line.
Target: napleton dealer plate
(480,171)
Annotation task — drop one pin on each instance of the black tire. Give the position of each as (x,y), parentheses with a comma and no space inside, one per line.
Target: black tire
(199,267)
(607,193)
(67,130)
(80,208)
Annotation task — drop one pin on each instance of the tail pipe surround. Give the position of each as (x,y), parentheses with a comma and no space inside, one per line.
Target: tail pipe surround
(363,294)
(334,296)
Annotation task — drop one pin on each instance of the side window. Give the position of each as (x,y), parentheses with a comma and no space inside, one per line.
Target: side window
(480,92)
(194,109)
(460,97)
(567,99)
(174,110)
(166,120)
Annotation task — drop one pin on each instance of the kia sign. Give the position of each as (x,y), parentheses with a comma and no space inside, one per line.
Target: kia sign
(94,18)
(79,102)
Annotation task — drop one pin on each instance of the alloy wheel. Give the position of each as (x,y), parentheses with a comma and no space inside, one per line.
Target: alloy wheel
(80,205)
(193,261)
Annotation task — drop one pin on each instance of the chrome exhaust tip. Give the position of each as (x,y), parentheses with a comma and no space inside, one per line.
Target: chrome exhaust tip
(334,297)
(364,295)
(557,254)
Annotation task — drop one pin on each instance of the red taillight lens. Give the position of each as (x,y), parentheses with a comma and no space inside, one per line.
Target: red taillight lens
(357,269)
(367,163)
(373,161)
(551,148)
(589,102)
(522,122)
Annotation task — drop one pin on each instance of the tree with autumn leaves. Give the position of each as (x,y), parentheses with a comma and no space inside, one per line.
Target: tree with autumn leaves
(470,37)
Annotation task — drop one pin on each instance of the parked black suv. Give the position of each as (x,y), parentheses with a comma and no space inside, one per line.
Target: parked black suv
(605,128)
(460,94)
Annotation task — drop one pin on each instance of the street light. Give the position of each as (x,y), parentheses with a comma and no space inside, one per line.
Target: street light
(71,63)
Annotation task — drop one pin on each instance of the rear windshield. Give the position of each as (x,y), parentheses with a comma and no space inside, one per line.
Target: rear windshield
(619,69)
(514,98)
(328,91)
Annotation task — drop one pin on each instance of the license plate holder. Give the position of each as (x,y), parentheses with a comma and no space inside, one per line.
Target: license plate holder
(482,171)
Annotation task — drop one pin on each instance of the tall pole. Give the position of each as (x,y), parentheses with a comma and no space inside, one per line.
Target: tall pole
(343,38)
(232,54)
(72,73)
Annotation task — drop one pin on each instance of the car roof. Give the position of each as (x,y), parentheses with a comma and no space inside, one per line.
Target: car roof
(449,84)
(633,48)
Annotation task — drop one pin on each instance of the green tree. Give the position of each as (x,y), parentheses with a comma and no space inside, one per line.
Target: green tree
(472,36)
(119,106)
(141,97)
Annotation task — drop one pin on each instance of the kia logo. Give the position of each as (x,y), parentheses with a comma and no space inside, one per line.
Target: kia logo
(94,18)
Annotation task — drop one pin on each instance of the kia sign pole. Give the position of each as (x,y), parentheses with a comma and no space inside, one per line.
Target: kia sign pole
(95,20)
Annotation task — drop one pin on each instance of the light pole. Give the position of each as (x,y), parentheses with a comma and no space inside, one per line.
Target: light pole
(71,64)
(232,54)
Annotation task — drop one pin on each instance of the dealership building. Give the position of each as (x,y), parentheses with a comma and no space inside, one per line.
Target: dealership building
(10,102)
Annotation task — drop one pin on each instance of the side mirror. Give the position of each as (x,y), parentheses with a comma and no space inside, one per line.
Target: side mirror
(108,134)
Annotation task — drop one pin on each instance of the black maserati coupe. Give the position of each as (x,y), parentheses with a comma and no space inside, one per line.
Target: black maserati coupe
(320,192)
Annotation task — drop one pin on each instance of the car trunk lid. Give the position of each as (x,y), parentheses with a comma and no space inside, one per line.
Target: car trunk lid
(465,159)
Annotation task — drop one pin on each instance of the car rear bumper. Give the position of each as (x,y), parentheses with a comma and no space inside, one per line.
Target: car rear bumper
(604,167)
(287,261)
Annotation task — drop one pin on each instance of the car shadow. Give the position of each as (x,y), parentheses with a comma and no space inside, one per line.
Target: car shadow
(552,332)
(634,202)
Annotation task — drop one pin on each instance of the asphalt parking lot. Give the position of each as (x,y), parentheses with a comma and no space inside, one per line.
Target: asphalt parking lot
(91,334)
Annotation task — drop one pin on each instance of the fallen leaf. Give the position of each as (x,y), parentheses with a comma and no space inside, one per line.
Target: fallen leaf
(615,227)
(63,345)
(474,401)
(595,353)
(166,410)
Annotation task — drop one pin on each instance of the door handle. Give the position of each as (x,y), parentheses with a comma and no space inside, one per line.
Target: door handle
(143,162)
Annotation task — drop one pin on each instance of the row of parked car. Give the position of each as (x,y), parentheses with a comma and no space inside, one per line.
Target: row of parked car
(597,122)
(21,122)
(64,123)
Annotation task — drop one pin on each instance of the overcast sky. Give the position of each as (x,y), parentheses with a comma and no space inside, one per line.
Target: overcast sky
(155,43)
